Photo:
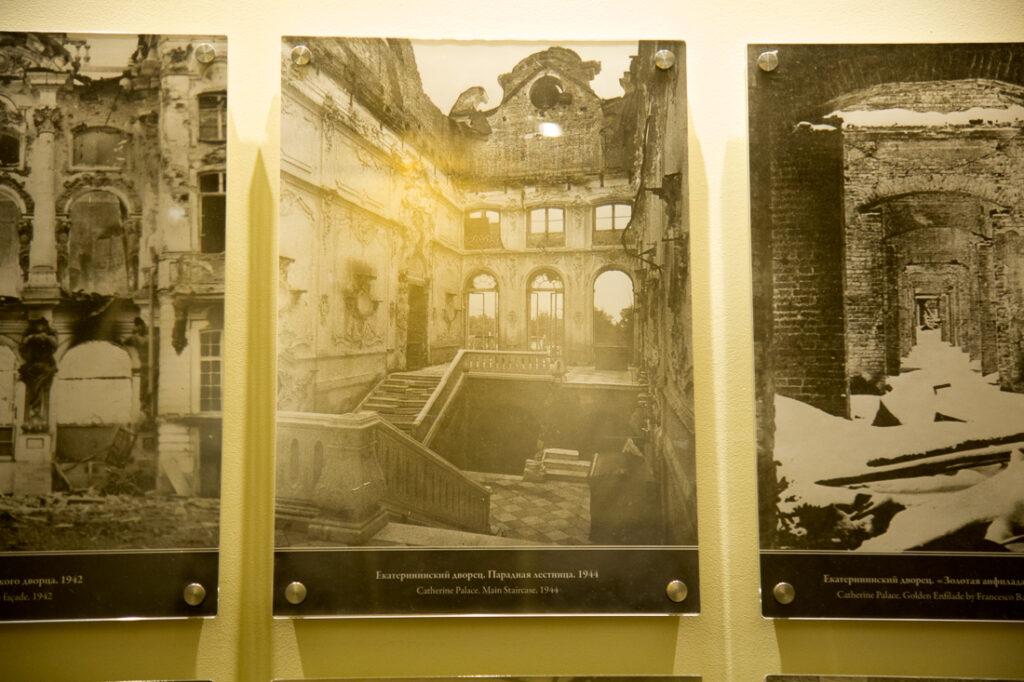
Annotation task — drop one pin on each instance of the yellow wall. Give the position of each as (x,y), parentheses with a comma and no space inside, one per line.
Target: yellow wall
(729,641)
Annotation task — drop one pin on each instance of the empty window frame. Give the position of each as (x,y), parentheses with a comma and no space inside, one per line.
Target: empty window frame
(612,217)
(10,149)
(482,229)
(547,227)
(547,312)
(213,117)
(210,370)
(102,147)
(482,312)
(547,220)
(212,211)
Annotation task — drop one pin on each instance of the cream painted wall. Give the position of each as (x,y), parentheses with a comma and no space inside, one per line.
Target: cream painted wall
(729,641)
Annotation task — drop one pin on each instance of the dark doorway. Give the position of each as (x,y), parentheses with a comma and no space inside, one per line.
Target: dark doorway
(416,332)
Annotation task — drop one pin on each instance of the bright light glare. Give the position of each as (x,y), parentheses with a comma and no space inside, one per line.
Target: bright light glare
(549,129)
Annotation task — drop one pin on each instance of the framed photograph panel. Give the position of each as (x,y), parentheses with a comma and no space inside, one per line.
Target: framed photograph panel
(887,195)
(112,220)
(484,377)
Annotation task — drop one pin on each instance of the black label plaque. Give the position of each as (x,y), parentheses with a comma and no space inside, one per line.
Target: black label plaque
(462,582)
(106,585)
(910,586)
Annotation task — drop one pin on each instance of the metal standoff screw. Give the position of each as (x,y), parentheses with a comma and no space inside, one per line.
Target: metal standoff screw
(194,594)
(301,55)
(205,53)
(295,593)
(768,61)
(676,591)
(664,59)
(784,593)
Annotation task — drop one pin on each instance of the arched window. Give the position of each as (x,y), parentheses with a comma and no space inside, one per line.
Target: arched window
(613,320)
(10,216)
(547,226)
(96,245)
(547,311)
(482,312)
(99,147)
(483,230)
(609,222)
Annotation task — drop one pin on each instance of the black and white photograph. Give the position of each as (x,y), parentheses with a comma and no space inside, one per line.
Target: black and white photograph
(484,336)
(887,210)
(112,207)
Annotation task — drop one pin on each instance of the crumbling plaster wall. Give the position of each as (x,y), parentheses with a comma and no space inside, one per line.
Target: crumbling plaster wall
(365,214)
(662,280)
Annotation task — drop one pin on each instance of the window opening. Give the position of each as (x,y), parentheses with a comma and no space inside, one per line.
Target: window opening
(99,147)
(482,313)
(547,312)
(10,149)
(547,221)
(612,216)
(210,370)
(483,230)
(613,320)
(213,211)
(213,117)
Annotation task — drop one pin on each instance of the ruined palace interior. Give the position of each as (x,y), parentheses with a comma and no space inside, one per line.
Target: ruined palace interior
(888,206)
(484,316)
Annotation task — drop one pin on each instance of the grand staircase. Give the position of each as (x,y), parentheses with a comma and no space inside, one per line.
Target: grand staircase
(401,396)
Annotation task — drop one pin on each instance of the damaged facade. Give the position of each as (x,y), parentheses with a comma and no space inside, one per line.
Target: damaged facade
(112,281)
(887,201)
(408,236)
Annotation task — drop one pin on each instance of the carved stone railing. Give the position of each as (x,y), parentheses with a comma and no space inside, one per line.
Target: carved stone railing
(494,362)
(419,482)
(189,272)
(358,466)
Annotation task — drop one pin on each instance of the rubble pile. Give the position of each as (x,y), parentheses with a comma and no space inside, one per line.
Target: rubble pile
(86,521)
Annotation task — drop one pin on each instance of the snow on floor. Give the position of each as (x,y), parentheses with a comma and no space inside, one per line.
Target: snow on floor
(811,445)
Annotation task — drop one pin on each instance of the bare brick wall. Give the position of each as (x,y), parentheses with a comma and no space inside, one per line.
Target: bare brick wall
(1008,308)
(807,215)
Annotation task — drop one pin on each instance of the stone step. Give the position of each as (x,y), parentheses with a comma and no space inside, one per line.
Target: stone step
(560,455)
(401,396)
(563,465)
(560,475)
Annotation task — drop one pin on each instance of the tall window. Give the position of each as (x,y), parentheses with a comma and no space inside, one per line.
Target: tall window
(213,117)
(547,226)
(483,230)
(99,147)
(10,148)
(613,320)
(97,262)
(212,211)
(609,222)
(209,370)
(547,311)
(10,273)
(482,312)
